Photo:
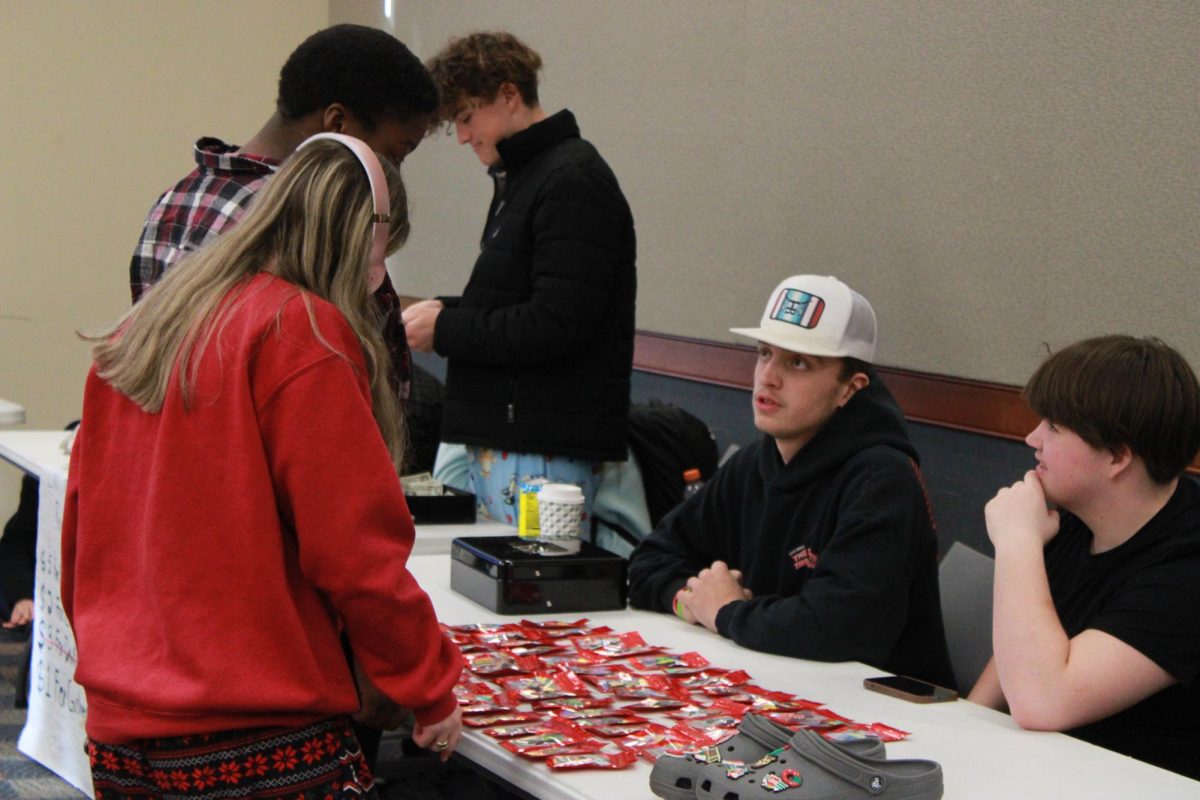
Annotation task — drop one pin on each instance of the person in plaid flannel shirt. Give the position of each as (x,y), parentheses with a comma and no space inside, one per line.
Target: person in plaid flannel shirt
(346,79)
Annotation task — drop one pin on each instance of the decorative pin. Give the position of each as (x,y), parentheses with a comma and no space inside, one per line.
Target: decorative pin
(792,777)
(773,783)
(709,755)
(764,761)
(735,770)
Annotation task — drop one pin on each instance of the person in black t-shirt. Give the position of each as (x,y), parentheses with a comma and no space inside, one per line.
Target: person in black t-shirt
(1096,624)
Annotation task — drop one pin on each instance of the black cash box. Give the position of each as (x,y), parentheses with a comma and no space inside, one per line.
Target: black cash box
(506,575)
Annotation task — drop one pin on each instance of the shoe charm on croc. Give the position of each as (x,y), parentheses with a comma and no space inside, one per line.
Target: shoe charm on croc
(709,755)
(792,777)
(735,770)
(768,758)
(773,783)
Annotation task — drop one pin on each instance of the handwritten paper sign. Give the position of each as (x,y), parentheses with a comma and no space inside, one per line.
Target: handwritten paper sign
(54,728)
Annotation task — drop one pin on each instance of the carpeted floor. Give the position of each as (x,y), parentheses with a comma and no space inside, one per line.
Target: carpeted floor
(21,777)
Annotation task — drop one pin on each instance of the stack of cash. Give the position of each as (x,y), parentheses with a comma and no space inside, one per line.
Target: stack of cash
(422,483)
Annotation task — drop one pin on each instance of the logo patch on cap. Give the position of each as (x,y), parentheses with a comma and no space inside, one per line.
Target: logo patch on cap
(798,307)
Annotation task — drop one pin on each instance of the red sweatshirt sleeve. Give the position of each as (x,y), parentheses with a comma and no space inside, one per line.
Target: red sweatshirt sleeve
(340,494)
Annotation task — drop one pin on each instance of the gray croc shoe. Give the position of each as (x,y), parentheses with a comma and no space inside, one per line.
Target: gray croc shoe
(812,768)
(675,777)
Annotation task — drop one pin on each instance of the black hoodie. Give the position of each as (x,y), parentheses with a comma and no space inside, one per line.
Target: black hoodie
(838,546)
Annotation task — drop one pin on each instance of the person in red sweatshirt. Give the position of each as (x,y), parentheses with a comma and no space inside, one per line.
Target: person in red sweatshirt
(233,506)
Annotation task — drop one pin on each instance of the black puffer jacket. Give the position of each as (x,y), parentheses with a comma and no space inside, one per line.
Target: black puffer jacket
(540,345)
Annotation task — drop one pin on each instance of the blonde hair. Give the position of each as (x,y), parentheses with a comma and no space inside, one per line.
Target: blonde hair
(311,226)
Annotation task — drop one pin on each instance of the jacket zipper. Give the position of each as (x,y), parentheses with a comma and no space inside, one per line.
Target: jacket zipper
(511,409)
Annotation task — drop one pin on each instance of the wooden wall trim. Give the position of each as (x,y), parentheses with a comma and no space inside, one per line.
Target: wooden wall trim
(991,409)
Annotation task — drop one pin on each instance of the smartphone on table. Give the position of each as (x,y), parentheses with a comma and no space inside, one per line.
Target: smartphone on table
(910,689)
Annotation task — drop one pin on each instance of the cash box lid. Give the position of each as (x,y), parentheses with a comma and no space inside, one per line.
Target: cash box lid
(512,558)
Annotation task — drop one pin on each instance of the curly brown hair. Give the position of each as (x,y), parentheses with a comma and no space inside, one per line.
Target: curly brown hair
(475,66)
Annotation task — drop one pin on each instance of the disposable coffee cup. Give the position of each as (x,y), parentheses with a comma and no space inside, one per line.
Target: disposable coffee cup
(560,515)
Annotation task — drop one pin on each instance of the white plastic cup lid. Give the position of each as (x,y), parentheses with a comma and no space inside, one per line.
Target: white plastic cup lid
(561,493)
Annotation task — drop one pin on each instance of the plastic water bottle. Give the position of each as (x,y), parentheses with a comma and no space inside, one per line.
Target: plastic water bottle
(691,482)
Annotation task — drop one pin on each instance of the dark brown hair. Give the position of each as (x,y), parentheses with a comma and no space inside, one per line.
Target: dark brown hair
(851,366)
(1122,391)
(368,71)
(476,66)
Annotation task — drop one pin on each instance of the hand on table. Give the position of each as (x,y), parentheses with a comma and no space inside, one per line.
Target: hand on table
(420,320)
(22,614)
(711,590)
(442,736)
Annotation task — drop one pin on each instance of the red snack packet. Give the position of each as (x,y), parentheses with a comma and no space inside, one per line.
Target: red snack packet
(595,712)
(480,627)
(652,735)
(584,671)
(671,663)
(679,740)
(506,639)
(690,711)
(503,718)
(655,704)
(715,677)
(885,732)
(538,649)
(498,662)
(615,681)
(591,702)
(768,702)
(621,645)
(720,724)
(724,707)
(811,718)
(543,686)
(619,760)
(576,660)
(516,729)
(617,730)
(470,691)
(529,748)
(556,629)
(475,709)
(552,733)
(587,723)
(552,625)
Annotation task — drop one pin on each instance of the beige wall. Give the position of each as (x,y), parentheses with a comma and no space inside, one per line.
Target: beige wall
(99,105)
(991,175)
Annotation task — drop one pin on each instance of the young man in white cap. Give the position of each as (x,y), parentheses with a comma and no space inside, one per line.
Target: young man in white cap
(817,541)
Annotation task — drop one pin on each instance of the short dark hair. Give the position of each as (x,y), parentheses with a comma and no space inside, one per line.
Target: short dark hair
(477,65)
(1123,391)
(365,69)
(851,366)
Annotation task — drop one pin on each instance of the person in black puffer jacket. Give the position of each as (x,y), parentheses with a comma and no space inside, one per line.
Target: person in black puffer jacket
(540,344)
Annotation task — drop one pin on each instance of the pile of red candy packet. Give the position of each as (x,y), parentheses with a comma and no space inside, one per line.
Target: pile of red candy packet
(587,697)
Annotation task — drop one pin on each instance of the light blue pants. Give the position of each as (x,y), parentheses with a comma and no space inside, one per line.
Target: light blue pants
(620,496)
(496,478)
